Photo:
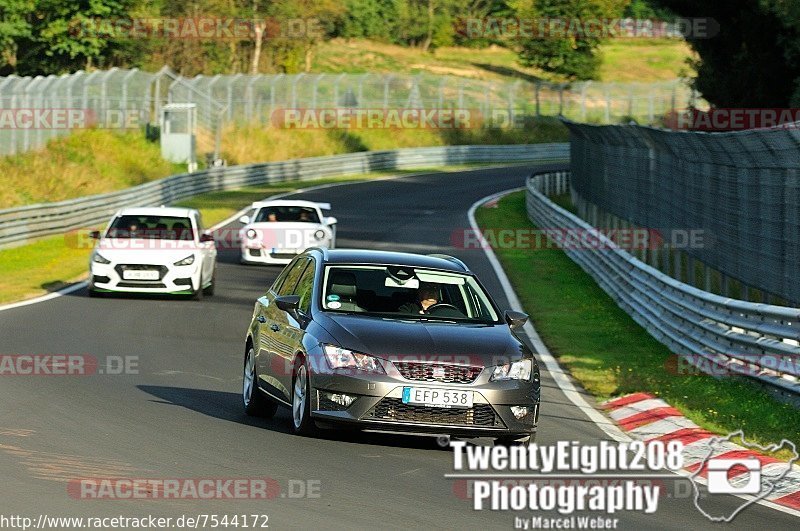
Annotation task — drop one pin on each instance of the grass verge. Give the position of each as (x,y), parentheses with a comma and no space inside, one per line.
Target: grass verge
(246,143)
(641,60)
(86,162)
(611,355)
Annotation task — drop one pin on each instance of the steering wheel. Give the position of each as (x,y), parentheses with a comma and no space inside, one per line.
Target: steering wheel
(434,308)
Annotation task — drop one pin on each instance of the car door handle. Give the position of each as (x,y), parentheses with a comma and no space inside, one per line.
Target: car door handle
(261,319)
(274,327)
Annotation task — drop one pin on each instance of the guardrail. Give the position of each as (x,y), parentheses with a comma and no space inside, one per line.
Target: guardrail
(725,335)
(19,225)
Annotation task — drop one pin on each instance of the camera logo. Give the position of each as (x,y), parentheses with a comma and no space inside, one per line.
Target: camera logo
(720,475)
(733,468)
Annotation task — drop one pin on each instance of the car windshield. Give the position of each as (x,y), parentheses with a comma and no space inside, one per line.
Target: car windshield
(151,227)
(404,292)
(287,213)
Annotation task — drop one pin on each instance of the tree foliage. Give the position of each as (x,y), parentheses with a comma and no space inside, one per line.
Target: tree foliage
(754,60)
(571,53)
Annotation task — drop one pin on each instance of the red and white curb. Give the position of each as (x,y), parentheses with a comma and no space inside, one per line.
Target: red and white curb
(647,418)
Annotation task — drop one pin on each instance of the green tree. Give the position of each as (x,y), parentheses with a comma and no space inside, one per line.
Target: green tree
(61,37)
(371,19)
(14,26)
(754,59)
(573,52)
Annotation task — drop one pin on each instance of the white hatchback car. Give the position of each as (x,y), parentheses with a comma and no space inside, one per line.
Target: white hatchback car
(277,231)
(154,250)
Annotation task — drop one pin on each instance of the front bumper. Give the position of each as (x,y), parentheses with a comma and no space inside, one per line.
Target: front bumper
(257,255)
(172,279)
(379,405)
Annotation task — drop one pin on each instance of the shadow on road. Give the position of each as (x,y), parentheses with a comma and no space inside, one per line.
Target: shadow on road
(227,406)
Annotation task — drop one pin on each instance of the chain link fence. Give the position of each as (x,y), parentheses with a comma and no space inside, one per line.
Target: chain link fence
(739,191)
(126,99)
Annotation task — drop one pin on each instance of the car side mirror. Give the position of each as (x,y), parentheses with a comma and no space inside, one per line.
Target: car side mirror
(95,235)
(515,319)
(288,303)
(206,237)
(331,221)
(244,220)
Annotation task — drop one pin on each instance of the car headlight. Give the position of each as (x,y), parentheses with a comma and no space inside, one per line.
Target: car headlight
(341,358)
(100,259)
(319,234)
(519,370)
(189,260)
(251,234)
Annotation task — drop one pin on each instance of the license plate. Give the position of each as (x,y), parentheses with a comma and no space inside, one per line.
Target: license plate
(140,275)
(447,398)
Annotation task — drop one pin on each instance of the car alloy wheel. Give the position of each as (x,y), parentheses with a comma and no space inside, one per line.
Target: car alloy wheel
(299,396)
(301,406)
(249,377)
(255,404)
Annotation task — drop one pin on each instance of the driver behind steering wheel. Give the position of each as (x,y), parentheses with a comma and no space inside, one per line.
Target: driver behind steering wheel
(427,296)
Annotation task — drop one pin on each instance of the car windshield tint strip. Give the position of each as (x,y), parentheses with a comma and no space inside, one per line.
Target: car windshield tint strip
(375,290)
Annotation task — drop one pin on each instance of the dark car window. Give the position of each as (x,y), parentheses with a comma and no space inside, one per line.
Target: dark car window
(305,287)
(399,292)
(287,213)
(153,227)
(276,286)
(292,276)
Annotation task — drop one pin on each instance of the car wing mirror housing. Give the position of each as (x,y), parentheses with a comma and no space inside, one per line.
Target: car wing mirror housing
(206,237)
(244,220)
(515,319)
(288,303)
(95,235)
(331,221)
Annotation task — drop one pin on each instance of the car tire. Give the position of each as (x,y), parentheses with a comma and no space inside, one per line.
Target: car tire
(255,403)
(197,294)
(210,289)
(302,423)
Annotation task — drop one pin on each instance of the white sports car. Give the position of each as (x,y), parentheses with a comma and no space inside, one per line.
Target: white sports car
(154,250)
(277,231)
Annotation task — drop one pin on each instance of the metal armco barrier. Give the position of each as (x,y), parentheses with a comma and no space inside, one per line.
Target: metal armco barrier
(19,225)
(725,335)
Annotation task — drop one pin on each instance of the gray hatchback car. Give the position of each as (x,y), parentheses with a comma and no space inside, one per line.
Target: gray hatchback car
(389,341)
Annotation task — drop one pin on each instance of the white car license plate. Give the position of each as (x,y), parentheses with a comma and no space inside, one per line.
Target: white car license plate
(446,398)
(140,275)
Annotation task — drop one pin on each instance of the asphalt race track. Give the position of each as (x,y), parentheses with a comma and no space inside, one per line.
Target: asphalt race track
(181,415)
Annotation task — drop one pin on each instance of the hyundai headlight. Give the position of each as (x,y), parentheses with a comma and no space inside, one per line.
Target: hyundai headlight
(319,234)
(341,358)
(100,259)
(518,370)
(251,234)
(189,260)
